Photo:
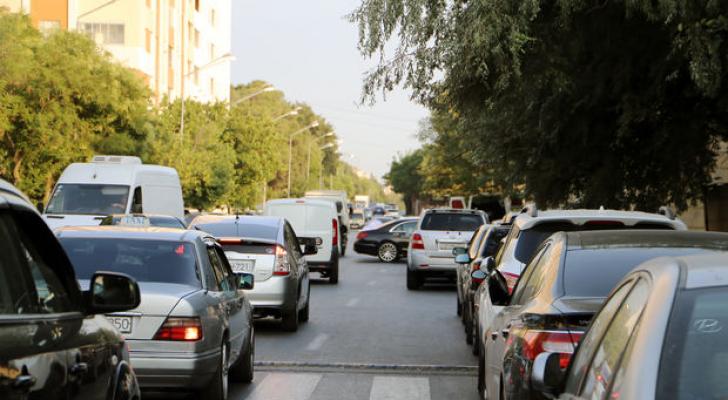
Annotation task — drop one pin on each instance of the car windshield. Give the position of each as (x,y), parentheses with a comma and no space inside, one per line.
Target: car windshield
(695,351)
(88,199)
(144,260)
(457,222)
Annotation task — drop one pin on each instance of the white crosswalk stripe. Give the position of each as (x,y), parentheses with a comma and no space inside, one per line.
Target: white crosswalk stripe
(400,388)
(284,386)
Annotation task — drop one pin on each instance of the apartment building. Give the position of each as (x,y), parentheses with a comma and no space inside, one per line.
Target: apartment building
(180,47)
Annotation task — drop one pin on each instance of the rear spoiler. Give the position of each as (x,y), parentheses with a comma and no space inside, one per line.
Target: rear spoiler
(310,241)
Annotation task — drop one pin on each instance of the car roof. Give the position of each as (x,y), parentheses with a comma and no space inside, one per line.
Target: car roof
(645,238)
(241,219)
(304,201)
(130,232)
(144,215)
(8,188)
(527,221)
(453,210)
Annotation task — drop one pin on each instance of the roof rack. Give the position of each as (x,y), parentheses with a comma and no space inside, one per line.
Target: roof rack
(531,210)
(667,211)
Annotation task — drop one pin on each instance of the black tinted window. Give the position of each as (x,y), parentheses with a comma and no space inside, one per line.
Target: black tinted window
(451,222)
(594,272)
(231,229)
(144,260)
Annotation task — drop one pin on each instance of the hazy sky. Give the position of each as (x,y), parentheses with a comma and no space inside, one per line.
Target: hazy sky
(308,50)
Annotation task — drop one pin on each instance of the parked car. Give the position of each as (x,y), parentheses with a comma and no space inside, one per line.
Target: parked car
(313,219)
(489,243)
(532,226)
(268,248)
(161,221)
(389,242)
(55,342)
(661,335)
(357,220)
(193,329)
(87,192)
(340,200)
(562,287)
(438,232)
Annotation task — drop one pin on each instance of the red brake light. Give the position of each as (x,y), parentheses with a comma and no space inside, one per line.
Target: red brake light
(561,342)
(282,266)
(180,329)
(335,237)
(511,280)
(417,243)
(361,235)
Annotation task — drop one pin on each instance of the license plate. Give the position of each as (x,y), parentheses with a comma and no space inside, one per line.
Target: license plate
(122,324)
(449,246)
(243,265)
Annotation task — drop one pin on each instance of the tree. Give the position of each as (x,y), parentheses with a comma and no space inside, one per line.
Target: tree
(615,103)
(405,178)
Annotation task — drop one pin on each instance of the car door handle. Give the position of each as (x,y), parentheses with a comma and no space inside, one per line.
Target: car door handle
(24,382)
(78,369)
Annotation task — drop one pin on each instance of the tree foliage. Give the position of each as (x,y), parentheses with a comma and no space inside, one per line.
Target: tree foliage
(617,103)
(405,177)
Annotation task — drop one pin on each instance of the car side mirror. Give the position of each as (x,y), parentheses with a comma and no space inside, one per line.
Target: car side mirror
(112,292)
(487,265)
(245,281)
(462,259)
(476,278)
(458,250)
(547,376)
(498,289)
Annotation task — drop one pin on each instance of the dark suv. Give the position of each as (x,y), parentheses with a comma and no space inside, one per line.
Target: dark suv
(52,343)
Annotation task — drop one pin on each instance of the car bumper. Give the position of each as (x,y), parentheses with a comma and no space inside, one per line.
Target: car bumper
(159,370)
(420,261)
(365,248)
(275,292)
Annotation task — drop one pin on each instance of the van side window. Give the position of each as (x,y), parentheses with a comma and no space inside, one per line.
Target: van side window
(136,205)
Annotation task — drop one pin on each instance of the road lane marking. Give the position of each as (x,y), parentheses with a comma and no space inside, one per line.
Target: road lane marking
(317,342)
(371,283)
(281,386)
(353,302)
(400,388)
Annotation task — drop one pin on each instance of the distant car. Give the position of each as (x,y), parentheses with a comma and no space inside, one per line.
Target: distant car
(194,327)
(376,222)
(378,210)
(660,335)
(161,221)
(562,287)
(438,232)
(357,220)
(268,248)
(56,344)
(389,242)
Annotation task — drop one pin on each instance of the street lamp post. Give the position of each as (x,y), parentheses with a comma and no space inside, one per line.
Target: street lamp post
(288,114)
(308,160)
(266,89)
(222,58)
(290,150)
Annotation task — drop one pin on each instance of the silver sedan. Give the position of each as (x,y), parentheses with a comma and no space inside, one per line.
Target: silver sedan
(193,329)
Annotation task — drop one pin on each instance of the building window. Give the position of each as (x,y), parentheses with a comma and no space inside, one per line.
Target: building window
(47,27)
(171,37)
(197,38)
(197,5)
(212,17)
(171,3)
(104,33)
(148,40)
(149,3)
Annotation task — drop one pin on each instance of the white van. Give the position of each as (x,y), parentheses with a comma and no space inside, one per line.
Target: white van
(86,192)
(313,219)
(340,199)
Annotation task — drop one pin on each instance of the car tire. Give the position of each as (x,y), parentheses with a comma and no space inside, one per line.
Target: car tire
(334,271)
(217,389)
(303,314)
(289,319)
(414,280)
(387,252)
(243,370)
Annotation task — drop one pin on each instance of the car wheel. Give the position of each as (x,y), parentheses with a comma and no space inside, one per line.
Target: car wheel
(414,280)
(334,271)
(303,314)
(387,252)
(243,370)
(217,389)
(289,320)
(481,376)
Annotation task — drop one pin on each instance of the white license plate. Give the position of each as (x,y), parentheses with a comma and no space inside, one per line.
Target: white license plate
(122,324)
(243,266)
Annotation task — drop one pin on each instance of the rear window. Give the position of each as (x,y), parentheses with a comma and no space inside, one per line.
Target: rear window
(594,272)
(451,222)
(144,260)
(230,229)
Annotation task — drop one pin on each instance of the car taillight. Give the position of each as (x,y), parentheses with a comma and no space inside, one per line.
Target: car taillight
(282,267)
(184,329)
(417,243)
(511,280)
(361,235)
(561,342)
(335,237)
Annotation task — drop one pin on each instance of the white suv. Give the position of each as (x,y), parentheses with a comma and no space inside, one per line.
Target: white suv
(438,232)
(532,226)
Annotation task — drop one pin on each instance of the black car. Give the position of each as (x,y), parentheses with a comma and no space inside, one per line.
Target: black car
(389,242)
(560,290)
(160,221)
(53,345)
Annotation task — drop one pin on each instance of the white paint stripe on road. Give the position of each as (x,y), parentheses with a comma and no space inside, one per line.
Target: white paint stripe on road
(371,283)
(317,342)
(281,386)
(400,388)
(353,302)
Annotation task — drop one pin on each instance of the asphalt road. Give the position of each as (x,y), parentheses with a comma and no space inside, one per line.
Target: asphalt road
(367,338)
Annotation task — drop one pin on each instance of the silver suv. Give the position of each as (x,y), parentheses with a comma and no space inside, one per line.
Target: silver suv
(438,233)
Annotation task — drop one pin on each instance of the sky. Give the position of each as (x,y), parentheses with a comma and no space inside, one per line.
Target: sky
(308,50)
